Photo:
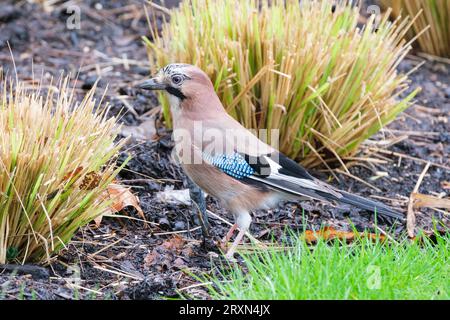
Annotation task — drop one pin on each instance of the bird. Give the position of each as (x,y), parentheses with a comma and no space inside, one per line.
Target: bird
(229,162)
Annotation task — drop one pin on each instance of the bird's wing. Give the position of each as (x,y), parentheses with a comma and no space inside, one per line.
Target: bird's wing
(281,173)
(284,174)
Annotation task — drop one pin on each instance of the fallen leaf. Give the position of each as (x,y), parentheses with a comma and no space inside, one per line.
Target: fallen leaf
(90,181)
(430,234)
(179,263)
(329,233)
(72,174)
(121,197)
(188,250)
(145,131)
(175,243)
(427,201)
(169,195)
(150,258)
(167,255)
(68,176)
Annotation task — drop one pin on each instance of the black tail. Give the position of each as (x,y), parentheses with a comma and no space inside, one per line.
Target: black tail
(370,205)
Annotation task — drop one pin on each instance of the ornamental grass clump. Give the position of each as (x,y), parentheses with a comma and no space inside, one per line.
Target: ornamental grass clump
(302,67)
(432,14)
(56,160)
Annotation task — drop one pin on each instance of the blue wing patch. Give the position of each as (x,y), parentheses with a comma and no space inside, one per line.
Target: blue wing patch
(233,164)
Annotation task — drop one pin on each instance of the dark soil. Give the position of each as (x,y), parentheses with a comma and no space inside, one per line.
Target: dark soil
(123,259)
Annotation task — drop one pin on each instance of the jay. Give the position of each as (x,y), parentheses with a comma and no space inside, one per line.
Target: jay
(230,163)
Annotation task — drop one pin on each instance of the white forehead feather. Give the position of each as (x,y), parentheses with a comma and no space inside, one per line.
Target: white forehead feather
(174,68)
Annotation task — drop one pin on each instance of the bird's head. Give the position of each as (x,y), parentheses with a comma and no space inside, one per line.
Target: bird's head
(182,82)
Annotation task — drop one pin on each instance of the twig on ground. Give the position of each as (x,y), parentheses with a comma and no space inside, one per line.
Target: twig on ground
(433,58)
(410,217)
(203,284)
(176,232)
(398,154)
(120,273)
(128,105)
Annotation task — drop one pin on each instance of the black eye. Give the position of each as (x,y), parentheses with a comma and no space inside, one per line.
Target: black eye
(177,79)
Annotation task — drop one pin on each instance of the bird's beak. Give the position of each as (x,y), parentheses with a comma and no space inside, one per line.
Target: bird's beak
(152,84)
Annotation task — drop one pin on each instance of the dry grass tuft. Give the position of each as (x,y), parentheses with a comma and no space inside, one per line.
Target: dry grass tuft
(49,147)
(326,84)
(432,13)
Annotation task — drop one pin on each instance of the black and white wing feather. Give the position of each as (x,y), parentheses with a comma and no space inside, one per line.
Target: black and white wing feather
(278,172)
(284,174)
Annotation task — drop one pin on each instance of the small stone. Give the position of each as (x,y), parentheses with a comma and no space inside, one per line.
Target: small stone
(9,13)
(179,225)
(429,87)
(179,263)
(153,186)
(37,272)
(141,71)
(89,83)
(447,92)
(212,254)
(164,223)
(405,66)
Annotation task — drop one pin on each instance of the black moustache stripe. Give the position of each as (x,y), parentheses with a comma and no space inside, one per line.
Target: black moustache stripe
(176,92)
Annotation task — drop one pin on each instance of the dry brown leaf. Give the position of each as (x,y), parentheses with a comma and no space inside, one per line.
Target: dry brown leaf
(72,174)
(175,243)
(427,201)
(166,255)
(90,181)
(188,250)
(121,197)
(150,258)
(445,185)
(329,233)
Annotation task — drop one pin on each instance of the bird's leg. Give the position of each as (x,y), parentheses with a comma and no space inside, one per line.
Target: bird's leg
(236,242)
(228,236)
(243,220)
(199,208)
(230,233)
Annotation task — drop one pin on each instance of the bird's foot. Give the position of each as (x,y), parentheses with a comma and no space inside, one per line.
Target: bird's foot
(223,244)
(230,253)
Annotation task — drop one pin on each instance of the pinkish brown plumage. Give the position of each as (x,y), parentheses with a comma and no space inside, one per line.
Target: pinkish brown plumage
(229,162)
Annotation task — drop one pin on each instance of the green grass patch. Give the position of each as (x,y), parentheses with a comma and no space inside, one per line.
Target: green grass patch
(364,269)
